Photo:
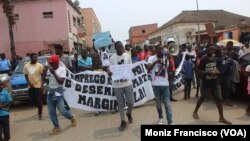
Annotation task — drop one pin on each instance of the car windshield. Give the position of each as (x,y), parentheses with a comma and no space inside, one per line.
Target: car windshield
(20,65)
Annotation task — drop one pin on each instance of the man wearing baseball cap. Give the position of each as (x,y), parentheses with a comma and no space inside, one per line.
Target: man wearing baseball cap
(56,76)
(171,73)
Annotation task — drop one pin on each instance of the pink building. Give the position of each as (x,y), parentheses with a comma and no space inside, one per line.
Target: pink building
(42,23)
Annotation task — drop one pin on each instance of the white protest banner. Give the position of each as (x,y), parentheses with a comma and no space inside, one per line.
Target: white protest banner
(179,79)
(143,90)
(89,90)
(122,72)
(92,90)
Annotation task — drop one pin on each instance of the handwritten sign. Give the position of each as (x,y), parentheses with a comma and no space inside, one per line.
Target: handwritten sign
(122,72)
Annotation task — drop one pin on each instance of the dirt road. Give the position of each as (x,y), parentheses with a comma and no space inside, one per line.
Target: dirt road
(25,125)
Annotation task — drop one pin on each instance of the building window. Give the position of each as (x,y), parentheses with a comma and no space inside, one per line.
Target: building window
(74,21)
(79,24)
(69,21)
(16,17)
(143,31)
(47,15)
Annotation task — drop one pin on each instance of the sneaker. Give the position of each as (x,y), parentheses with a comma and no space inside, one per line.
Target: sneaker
(130,119)
(171,123)
(73,121)
(123,125)
(160,121)
(55,130)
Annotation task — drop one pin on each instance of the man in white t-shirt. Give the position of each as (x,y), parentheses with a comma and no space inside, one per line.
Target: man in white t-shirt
(66,60)
(56,76)
(104,56)
(123,88)
(158,66)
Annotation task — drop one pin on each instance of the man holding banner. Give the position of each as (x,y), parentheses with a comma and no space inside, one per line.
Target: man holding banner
(56,76)
(123,87)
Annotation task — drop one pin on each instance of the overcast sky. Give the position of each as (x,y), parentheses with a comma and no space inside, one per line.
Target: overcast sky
(117,16)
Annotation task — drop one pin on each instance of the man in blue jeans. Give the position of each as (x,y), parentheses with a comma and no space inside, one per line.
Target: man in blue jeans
(158,67)
(56,75)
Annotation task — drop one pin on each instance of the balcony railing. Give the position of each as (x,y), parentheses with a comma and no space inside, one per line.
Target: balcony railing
(81,31)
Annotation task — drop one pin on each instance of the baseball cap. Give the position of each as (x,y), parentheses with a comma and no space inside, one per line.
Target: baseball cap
(54,59)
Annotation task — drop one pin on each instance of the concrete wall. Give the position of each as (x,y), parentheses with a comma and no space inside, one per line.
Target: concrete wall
(179,32)
(92,25)
(33,32)
(136,34)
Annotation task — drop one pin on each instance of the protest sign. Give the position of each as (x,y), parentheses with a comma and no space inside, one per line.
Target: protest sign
(123,71)
(92,90)
(102,39)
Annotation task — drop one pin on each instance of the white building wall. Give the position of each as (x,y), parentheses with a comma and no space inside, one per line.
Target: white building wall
(180,32)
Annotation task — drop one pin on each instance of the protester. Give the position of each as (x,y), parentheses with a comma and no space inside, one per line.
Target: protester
(97,66)
(66,61)
(65,58)
(151,52)
(5,65)
(141,53)
(85,61)
(198,76)
(33,72)
(75,63)
(5,102)
(56,75)
(14,62)
(128,49)
(210,83)
(123,88)
(104,56)
(192,55)
(248,88)
(158,66)
(134,55)
(188,68)
(225,67)
(171,73)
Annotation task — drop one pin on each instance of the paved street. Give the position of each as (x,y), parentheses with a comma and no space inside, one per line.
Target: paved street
(25,125)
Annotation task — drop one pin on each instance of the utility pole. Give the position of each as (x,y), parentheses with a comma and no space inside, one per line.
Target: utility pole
(198,21)
(8,10)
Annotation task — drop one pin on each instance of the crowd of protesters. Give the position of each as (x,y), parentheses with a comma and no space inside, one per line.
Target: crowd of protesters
(213,71)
